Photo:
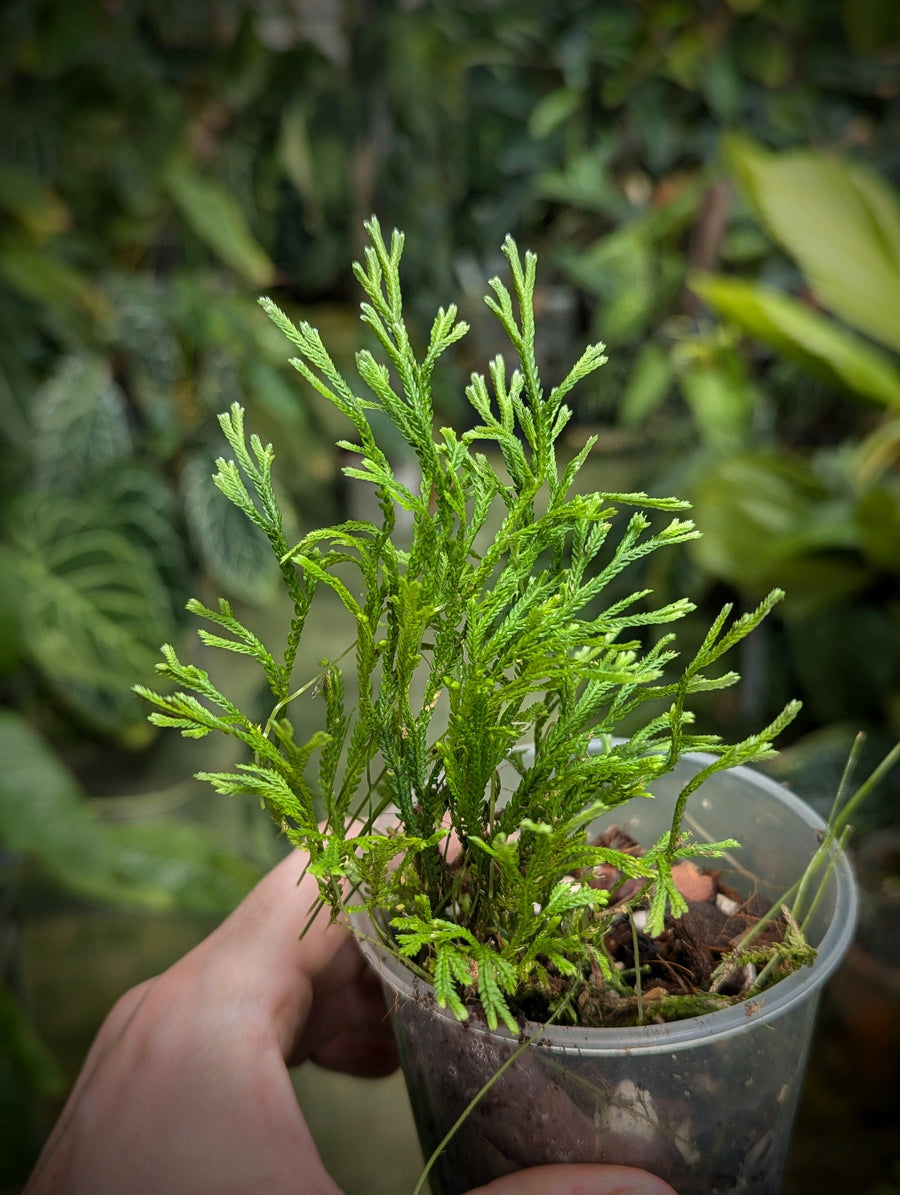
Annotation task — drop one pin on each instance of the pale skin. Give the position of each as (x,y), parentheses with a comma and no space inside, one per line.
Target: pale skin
(186,1088)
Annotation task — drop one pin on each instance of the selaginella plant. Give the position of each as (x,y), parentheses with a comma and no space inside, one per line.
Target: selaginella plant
(482,629)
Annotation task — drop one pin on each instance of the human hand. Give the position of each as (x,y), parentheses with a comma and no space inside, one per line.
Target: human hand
(186,1088)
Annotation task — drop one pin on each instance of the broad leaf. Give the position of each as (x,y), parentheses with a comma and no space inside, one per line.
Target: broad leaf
(585,182)
(552,111)
(722,400)
(838,220)
(93,609)
(218,221)
(167,864)
(297,157)
(48,280)
(818,344)
(139,503)
(30,200)
(825,650)
(42,811)
(878,515)
(143,325)
(158,864)
(768,515)
(80,424)
(27,1069)
(647,385)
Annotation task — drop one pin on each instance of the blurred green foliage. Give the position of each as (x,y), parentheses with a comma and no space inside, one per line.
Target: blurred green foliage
(824,517)
(711,187)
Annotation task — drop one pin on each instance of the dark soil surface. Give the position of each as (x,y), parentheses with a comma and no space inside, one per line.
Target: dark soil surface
(676,968)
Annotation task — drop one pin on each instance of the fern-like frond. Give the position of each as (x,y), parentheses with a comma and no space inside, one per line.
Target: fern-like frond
(503,617)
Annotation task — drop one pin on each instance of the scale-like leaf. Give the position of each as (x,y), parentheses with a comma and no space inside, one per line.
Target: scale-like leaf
(506,637)
(233,550)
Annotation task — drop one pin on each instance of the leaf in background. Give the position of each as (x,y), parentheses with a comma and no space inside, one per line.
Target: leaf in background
(632,269)
(10,638)
(279,399)
(879,452)
(143,326)
(219,223)
(768,517)
(173,864)
(722,402)
(42,811)
(878,515)
(871,27)
(648,384)
(818,344)
(218,379)
(553,110)
(295,151)
(133,499)
(158,864)
(31,201)
(79,424)
(234,551)
(93,610)
(21,1046)
(306,453)
(39,275)
(841,223)
(619,270)
(826,649)
(27,1068)
(586,182)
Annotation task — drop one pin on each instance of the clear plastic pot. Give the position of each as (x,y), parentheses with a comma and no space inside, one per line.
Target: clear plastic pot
(706,1103)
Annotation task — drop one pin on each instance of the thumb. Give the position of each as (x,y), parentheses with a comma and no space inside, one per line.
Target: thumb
(577,1180)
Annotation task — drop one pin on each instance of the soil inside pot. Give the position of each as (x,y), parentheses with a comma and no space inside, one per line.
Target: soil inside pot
(676,969)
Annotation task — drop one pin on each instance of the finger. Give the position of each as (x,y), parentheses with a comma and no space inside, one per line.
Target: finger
(309,987)
(273,923)
(261,960)
(360,1054)
(357,1005)
(577,1180)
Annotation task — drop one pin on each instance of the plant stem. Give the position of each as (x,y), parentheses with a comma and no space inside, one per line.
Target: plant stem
(482,1092)
(637,970)
(471,1106)
(838,822)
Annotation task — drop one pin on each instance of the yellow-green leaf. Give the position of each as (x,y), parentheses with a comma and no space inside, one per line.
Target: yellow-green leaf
(841,223)
(32,202)
(820,345)
(218,221)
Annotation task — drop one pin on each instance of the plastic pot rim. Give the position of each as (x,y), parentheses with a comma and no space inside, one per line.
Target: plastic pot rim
(801,986)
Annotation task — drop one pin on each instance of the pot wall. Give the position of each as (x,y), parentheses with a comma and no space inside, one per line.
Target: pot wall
(706,1103)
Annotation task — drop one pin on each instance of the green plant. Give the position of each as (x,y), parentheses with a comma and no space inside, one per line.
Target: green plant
(486,629)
